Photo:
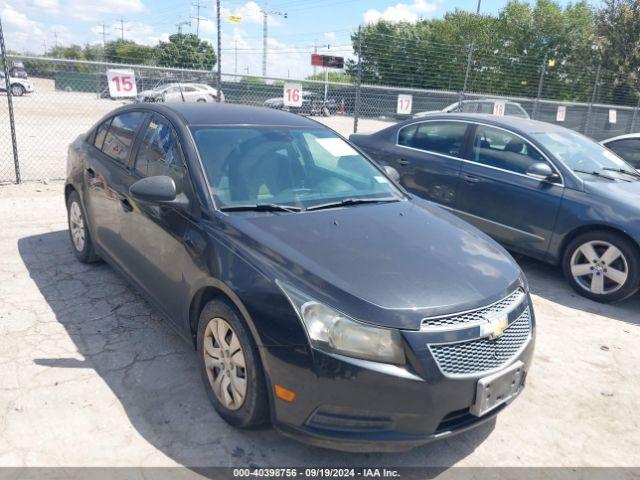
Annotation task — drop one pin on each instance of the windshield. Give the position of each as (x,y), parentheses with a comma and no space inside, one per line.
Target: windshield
(580,153)
(292,167)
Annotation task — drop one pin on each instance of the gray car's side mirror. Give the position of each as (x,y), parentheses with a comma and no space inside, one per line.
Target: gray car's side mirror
(541,171)
(392,173)
(158,190)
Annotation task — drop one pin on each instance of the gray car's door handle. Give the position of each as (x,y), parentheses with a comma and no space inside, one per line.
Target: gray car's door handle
(470,179)
(403,161)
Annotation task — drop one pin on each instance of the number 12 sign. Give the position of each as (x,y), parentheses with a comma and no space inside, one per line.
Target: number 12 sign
(292,95)
(122,83)
(405,104)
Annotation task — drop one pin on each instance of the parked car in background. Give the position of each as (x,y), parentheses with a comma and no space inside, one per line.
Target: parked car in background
(312,104)
(540,189)
(18,70)
(19,86)
(627,147)
(181,93)
(511,109)
(318,294)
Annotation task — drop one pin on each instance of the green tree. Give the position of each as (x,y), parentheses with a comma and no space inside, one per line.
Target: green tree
(186,51)
(334,77)
(127,51)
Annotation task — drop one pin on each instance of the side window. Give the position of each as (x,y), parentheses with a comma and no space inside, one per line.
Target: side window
(514,110)
(498,148)
(439,137)
(101,133)
(120,136)
(469,107)
(158,153)
(485,107)
(406,134)
(628,149)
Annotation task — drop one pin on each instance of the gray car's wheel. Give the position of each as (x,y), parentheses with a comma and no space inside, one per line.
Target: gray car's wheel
(81,242)
(17,90)
(230,366)
(603,266)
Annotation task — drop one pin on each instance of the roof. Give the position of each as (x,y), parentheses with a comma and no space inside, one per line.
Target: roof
(229,114)
(621,137)
(520,125)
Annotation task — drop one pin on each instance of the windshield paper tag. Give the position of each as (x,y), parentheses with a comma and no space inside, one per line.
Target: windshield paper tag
(336,147)
(381,179)
(613,157)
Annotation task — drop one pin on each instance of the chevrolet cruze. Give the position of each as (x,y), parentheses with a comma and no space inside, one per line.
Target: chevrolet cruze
(319,295)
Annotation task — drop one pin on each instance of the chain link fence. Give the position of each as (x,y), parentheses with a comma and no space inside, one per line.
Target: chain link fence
(70,96)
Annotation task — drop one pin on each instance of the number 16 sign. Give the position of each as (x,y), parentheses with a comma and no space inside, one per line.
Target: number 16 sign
(292,95)
(122,83)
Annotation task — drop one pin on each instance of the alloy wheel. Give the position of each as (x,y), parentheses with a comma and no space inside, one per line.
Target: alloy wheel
(599,267)
(76,224)
(225,363)
(16,90)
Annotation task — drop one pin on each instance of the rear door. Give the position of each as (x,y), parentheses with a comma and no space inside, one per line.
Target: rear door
(428,157)
(107,181)
(164,239)
(497,196)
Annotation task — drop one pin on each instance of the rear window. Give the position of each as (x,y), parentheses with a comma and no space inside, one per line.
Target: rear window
(119,138)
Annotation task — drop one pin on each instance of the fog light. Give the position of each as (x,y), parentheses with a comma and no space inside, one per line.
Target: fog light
(284,394)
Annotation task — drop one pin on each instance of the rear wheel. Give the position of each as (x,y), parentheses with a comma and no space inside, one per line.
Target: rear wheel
(230,366)
(201,100)
(78,232)
(603,266)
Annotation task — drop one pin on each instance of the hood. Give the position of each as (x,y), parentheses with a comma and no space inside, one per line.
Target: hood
(402,255)
(622,191)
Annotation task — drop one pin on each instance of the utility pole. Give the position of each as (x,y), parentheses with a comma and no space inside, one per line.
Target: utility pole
(44,46)
(235,68)
(55,39)
(122,29)
(198,6)
(265,33)
(180,24)
(469,59)
(104,34)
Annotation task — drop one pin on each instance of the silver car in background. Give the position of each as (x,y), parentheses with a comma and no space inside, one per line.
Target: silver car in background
(487,105)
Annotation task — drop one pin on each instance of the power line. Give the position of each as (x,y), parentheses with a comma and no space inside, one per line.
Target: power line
(121,28)
(198,6)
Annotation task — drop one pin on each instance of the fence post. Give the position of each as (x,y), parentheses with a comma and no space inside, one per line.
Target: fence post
(7,84)
(467,72)
(356,112)
(635,115)
(536,104)
(219,71)
(587,127)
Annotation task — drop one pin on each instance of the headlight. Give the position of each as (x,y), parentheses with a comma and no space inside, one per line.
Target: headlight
(332,331)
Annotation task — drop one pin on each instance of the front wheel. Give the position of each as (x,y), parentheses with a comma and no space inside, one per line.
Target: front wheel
(17,90)
(603,266)
(230,366)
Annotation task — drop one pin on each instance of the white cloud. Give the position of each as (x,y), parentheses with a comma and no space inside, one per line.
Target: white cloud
(13,19)
(402,12)
(330,36)
(47,6)
(95,9)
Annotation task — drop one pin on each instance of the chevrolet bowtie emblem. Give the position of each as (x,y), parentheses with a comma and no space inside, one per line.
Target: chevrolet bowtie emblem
(494,327)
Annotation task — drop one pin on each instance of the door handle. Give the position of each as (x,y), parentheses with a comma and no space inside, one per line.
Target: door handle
(470,179)
(126,205)
(404,162)
(90,172)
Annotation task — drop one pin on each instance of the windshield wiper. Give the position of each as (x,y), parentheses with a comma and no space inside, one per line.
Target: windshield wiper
(261,207)
(622,170)
(352,201)
(598,174)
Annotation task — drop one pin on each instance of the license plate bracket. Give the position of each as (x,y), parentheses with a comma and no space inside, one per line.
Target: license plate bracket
(498,388)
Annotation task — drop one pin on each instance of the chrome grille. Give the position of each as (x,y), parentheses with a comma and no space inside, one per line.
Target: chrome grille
(481,355)
(477,316)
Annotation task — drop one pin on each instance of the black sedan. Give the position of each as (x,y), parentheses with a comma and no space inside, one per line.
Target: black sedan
(540,189)
(318,294)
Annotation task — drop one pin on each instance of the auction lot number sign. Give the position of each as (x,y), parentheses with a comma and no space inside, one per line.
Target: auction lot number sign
(405,104)
(292,95)
(122,83)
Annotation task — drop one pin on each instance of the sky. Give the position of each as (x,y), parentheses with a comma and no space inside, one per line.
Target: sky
(33,25)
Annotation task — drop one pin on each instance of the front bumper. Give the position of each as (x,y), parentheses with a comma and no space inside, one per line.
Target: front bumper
(355,405)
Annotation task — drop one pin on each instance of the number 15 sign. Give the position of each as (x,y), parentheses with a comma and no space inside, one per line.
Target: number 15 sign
(122,83)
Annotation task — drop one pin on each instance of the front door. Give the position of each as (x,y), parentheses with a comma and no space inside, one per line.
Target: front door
(428,157)
(497,196)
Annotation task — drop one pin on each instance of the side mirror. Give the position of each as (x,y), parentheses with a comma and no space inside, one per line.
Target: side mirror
(541,171)
(392,173)
(158,190)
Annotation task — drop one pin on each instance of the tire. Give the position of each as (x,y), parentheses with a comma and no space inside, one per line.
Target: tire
(83,250)
(603,266)
(201,100)
(252,409)
(17,90)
